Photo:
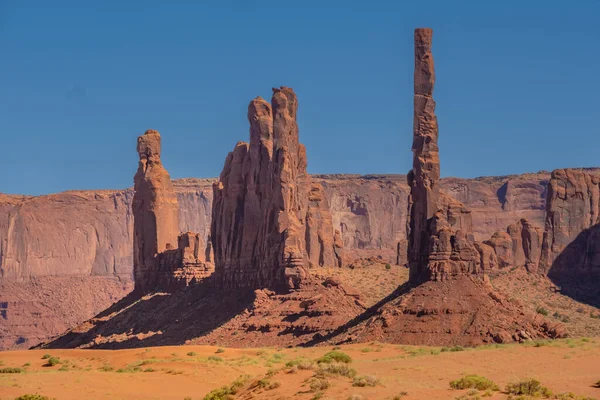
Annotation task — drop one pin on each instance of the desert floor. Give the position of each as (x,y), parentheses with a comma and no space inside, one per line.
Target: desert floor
(406,372)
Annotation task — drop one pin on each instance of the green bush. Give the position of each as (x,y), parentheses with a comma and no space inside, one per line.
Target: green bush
(528,387)
(571,396)
(52,361)
(388,266)
(227,392)
(220,351)
(542,310)
(11,370)
(335,356)
(215,358)
(363,381)
(267,384)
(473,382)
(191,354)
(46,356)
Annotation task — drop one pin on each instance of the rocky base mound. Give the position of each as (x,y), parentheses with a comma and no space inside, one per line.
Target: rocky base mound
(202,314)
(465,311)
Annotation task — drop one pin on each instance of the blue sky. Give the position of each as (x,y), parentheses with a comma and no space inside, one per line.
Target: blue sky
(518,84)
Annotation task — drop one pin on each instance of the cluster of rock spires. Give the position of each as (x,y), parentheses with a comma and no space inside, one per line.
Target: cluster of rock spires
(269,222)
(270,225)
(157,263)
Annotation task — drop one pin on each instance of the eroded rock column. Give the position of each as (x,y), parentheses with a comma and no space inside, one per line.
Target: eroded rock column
(424,177)
(155,212)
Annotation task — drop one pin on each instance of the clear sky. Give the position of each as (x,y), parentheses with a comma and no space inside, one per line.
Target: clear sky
(518,84)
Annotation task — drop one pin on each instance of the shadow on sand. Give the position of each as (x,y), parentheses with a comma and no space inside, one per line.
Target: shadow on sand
(158,319)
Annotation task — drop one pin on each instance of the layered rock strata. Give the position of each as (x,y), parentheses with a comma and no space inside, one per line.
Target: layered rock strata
(269,223)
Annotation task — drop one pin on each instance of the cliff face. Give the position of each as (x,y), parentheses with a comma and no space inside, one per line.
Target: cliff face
(90,233)
(570,247)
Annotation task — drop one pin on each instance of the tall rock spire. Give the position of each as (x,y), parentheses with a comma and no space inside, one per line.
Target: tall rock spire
(155,212)
(424,177)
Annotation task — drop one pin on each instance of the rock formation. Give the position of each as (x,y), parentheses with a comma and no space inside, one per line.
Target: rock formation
(157,263)
(155,212)
(518,246)
(269,223)
(436,249)
(571,245)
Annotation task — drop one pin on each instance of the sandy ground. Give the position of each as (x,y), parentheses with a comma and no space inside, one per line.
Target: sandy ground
(192,371)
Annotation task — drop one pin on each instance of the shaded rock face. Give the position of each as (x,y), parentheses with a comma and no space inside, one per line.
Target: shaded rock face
(155,212)
(571,245)
(268,222)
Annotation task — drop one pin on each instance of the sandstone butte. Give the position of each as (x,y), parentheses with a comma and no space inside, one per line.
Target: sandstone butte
(459,232)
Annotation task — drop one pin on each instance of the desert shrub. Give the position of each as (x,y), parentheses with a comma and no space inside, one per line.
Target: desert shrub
(191,354)
(319,384)
(215,358)
(367,380)
(46,356)
(399,396)
(129,370)
(452,349)
(339,369)
(356,397)
(561,317)
(388,266)
(106,368)
(227,392)
(594,315)
(267,384)
(187,398)
(52,361)
(219,351)
(33,397)
(473,382)
(149,370)
(300,363)
(542,310)
(366,350)
(571,396)
(528,387)
(11,370)
(335,356)
(27,364)
(317,396)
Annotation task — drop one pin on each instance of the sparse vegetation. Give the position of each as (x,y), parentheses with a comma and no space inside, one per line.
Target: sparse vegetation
(399,396)
(219,351)
(335,356)
(300,363)
(452,349)
(227,392)
(106,368)
(338,368)
(561,317)
(191,354)
(542,310)
(33,397)
(367,380)
(215,358)
(268,384)
(474,382)
(11,370)
(319,384)
(528,387)
(52,361)
(571,396)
